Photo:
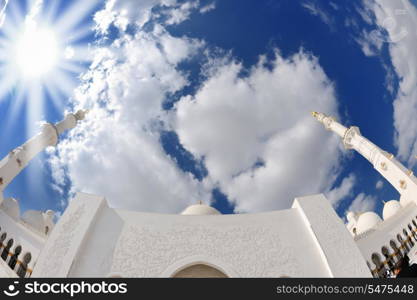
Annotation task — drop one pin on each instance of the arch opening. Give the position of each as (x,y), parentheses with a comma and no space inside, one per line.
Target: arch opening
(199,270)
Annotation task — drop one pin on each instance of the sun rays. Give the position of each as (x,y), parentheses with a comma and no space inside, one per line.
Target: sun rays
(42,53)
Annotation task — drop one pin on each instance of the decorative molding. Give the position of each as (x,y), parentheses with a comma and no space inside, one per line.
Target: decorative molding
(146,251)
(63,245)
(62,242)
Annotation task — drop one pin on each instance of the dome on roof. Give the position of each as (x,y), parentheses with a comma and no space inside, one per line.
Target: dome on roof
(48,218)
(200,210)
(351,216)
(390,209)
(366,221)
(49,213)
(11,207)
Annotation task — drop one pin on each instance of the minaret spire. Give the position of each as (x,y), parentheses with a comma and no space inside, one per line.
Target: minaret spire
(391,169)
(330,123)
(17,159)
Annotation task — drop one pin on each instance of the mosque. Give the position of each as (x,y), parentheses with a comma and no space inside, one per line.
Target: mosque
(307,240)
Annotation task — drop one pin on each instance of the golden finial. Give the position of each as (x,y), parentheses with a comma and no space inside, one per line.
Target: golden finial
(314,114)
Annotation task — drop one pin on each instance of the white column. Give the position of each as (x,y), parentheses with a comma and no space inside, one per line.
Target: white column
(17,159)
(391,169)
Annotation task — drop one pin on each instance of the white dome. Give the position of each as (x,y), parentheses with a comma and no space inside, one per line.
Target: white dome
(50,213)
(48,216)
(200,209)
(11,207)
(351,216)
(390,209)
(366,221)
(404,201)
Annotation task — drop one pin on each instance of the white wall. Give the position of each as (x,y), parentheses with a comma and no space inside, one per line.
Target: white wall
(93,240)
(21,235)
(63,245)
(338,249)
(271,244)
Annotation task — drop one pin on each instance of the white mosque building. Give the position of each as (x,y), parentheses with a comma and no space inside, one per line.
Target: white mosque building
(308,240)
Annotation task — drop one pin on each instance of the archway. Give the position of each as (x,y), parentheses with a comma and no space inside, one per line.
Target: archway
(199,271)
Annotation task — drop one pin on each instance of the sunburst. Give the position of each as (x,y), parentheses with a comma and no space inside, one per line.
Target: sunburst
(42,52)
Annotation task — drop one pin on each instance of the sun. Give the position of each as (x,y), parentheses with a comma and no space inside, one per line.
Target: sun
(36,52)
(44,49)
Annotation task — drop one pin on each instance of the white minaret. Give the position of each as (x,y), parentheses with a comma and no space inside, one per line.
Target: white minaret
(17,159)
(391,169)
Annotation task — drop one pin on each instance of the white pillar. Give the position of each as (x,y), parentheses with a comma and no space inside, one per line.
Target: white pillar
(17,159)
(391,169)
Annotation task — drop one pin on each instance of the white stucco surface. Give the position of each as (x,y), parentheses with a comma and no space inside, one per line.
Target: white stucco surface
(252,245)
(63,246)
(93,240)
(338,249)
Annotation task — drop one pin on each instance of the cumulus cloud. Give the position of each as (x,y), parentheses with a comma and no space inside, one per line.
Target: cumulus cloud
(345,189)
(255,132)
(251,128)
(116,151)
(362,203)
(398,19)
(121,13)
(180,13)
(379,184)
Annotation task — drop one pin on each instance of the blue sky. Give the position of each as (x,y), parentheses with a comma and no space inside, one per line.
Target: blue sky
(209,100)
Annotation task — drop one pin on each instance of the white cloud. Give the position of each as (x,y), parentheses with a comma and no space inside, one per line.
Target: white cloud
(255,133)
(365,12)
(345,189)
(180,13)
(317,11)
(379,184)
(124,12)
(334,5)
(398,18)
(116,151)
(370,44)
(207,8)
(362,203)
